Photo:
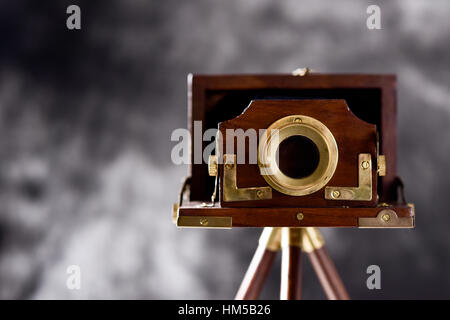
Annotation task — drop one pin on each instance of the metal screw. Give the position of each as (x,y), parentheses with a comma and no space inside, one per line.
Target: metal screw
(386,217)
(259,193)
(300,216)
(336,194)
(365,164)
(297,120)
(204,221)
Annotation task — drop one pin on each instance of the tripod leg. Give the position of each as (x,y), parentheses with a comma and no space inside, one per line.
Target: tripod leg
(258,270)
(324,267)
(291,271)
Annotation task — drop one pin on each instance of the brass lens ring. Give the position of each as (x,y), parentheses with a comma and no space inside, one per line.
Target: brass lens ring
(310,128)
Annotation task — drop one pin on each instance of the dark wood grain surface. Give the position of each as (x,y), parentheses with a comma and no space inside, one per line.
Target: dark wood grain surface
(291,273)
(328,276)
(256,274)
(287,217)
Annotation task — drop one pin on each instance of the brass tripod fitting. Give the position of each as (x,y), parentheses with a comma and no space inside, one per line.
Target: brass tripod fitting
(271,239)
(291,237)
(311,239)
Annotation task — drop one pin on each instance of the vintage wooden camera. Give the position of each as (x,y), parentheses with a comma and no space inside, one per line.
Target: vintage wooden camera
(323,148)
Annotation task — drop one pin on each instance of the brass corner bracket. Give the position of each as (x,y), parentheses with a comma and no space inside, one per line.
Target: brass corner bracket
(363,192)
(386,218)
(230,190)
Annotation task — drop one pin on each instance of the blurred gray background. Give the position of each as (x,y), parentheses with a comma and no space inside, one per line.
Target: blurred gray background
(85,124)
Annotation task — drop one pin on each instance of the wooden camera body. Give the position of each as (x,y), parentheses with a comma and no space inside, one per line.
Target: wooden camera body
(325,145)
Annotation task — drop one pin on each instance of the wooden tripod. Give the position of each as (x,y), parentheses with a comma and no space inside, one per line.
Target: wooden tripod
(292,241)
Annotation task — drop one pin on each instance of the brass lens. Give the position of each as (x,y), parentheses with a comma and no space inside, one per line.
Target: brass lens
(297,155)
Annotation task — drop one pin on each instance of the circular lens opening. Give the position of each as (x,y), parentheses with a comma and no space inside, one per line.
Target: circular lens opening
(298,156)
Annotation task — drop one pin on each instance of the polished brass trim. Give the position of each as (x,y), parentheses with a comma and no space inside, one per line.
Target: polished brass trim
(386,218)
(364,190)
(204,222)
(381,165)
(212,165)
(230,190)
(312,239)
(302,71)
(271,239)
(291,237)
(175,208)
(381,160)
(291,126)
(413,207)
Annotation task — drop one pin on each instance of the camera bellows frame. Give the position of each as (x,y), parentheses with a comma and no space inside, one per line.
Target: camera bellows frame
(326,153)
